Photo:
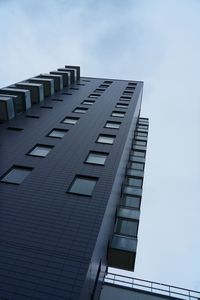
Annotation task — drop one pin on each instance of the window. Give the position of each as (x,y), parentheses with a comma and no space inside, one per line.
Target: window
(82,84)
(80,110)
(141,127)
(32,116)
(99,90)
(143,134)
(57,99)
(106,139)
(57,133)
(125,98)
(132,83)
(94,95)
(121,105)
(40,150)
(97,158)
(137,166)
(140,143)
(134,181)
(70,120)
(130,88)
(16,174)
(73,88)
(83,185)
(112,125)
(45,106)
(88,102)
(107,82)
(64,93)
(15,128)
(126,227)
(131,201)
(104,86)
(119,114)
(127,93)
(139,153)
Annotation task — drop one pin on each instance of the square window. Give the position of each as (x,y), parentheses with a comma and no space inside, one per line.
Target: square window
(88,102)
(57,133)
(40,150)
(119,114)
(80,110)
(106,139)
(16,174)
(83,185)
(112,125)
(121,105)
(70,120)
(97,158)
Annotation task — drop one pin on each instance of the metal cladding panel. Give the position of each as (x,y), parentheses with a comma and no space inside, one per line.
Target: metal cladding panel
(47,235)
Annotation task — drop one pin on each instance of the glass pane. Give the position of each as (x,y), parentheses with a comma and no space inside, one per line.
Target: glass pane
(135,182)
(40,151)
(88,102)
(105,139)
(121,105)
(96,158)
(16,175)
(113,125)
(57,133)
(140,143)
(83,185)
(69,120)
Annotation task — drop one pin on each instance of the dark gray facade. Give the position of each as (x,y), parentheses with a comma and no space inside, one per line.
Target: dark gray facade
(53,243)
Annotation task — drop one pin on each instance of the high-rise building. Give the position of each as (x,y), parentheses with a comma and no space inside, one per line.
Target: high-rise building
(71,174)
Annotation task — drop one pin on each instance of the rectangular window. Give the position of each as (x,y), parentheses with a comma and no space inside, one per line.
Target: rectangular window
(134,181)
(88,102)
(106,139)
(143,134)
(45,106)
(132,83)
(64,93)
(73,88)
(16,174)
(99,90)
(57,99)
(80,110)
(140,143)
(119,114)
(130,88)
(138,153)
(40,150)
(121,105)
(15,128)
(127,93)
(32,117)
(137,166)
(94,95)
(141,127)
(107,82)
(83,185)
(70,120)
(97,158)
(104,86)
(125,98)
(57,133)
(131,201)
(113,125)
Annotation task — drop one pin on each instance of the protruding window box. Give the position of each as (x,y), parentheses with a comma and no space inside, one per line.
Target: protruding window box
(70,74)
(7,111)
(77,68)
(58,80)
(141,138)
(36,89)
(132,172)
(133,158)
(127,213)
(65,76)
(48,85)
(122,252)
(23,100)
(132,191)
(136,147)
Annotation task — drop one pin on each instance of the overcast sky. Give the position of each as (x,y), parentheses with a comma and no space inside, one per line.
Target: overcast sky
(155,41)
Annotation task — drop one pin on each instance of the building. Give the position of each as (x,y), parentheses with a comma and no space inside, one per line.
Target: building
(71,174)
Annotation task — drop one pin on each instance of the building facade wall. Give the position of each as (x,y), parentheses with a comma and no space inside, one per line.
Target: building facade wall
(52,241)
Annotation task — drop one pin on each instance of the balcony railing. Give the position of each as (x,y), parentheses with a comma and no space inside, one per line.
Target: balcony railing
(151,286)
